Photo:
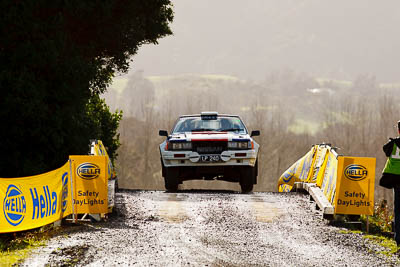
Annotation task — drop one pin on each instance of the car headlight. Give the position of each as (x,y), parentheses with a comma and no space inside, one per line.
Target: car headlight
(239,145)
(180,146)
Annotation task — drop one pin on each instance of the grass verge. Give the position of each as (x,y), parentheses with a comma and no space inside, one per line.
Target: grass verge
(380,229)
(389,245)
(15,247)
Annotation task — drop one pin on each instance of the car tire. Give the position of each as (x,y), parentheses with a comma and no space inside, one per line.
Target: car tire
(256,174)
(171,179)
(163,173)
(116,187)
(248,178)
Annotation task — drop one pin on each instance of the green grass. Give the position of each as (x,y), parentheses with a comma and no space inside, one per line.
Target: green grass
(340,83)
(381,221)
(380,229)
(15,247)
(347,231)
(119,83)
(303,126)
(389,85)
(348,84)
(220,77)
(388,243)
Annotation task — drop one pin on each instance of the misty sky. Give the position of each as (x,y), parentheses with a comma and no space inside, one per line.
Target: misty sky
(326,38)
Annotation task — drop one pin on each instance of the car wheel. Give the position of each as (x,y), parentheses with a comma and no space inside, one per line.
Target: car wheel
(171,179)
(246,187)
(256,172)
(116,188)
(162,168)
(247,179)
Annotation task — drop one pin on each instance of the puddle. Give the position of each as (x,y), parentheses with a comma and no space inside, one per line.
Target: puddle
(172,210)
(265,211)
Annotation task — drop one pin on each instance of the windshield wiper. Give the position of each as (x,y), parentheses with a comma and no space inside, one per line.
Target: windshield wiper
(202,129)
(230,130)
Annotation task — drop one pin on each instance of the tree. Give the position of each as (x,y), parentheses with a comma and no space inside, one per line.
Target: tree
(55,57)
(138,94)
(104,124)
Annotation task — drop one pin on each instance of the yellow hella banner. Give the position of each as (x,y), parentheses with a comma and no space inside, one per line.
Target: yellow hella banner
(355,186)
(328,186)
(90,184)
(100,150)
(34,201)
(296,173)
(318,162)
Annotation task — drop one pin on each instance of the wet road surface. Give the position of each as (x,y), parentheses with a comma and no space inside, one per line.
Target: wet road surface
(209,228)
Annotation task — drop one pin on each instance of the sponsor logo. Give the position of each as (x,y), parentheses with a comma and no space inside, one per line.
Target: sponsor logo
(88,171)
(14,205)
(287,177)
(44,202)
(355,172)
(64,191)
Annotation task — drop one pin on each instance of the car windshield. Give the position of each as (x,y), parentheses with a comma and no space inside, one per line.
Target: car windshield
(221,124)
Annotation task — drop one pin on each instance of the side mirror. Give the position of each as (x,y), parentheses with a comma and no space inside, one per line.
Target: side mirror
(255,133)
(163,133)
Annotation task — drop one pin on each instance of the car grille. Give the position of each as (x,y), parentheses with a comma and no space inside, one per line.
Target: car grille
(209,147)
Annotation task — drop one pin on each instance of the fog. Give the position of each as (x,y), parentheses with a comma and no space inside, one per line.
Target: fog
(302,72)
(336,39)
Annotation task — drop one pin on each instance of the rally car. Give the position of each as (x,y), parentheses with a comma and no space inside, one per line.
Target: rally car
(209,146)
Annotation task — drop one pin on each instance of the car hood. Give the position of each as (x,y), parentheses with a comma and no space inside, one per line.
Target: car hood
(209,136)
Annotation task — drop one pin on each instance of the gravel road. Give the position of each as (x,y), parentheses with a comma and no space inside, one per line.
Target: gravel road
(210,228)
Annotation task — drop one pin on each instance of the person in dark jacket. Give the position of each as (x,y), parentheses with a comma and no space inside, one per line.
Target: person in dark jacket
(391,177)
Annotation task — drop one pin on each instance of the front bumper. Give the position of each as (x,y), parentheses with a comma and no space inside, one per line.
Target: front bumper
(228,158)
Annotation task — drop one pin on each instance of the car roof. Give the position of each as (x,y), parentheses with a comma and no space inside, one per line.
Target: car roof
(199,115)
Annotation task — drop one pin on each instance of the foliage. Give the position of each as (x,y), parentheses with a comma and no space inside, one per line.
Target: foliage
(381,221)
(104,124)
(380,228)
(54,57)
(389,245)
(350,232)
(17,246)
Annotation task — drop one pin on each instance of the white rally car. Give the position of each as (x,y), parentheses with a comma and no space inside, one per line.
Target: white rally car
(209,146)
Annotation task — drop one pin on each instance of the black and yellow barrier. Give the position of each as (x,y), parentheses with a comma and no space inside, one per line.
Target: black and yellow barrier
(97,148)
(78,187)
(342,185)
(31,202)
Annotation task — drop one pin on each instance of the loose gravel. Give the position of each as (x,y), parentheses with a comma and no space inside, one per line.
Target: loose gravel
(210,228)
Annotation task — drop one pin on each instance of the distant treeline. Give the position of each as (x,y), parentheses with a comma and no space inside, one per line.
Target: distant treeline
(292,110)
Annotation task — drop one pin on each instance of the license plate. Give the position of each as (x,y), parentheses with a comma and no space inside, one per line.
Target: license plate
(210,158)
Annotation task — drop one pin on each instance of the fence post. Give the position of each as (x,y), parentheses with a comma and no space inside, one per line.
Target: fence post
(72,192)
